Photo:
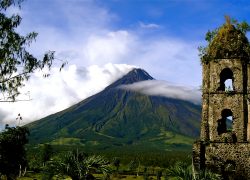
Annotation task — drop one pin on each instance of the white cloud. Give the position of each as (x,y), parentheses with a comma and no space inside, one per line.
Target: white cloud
(113,47)
(149,26)
(163,88)
(169,59)
(60,90)
(82,32)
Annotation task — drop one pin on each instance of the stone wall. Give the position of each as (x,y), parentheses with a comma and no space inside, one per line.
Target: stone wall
(234,102)
(232,160)
(235,65)
(227,153)
(215,100)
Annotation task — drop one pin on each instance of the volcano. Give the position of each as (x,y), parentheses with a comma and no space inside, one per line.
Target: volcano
(117,118)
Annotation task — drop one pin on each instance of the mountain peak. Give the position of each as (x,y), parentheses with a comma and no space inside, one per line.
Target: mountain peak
(135,75)
(140,74)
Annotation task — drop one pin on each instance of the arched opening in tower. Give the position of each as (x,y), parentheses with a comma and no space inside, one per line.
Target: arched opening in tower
(226,122)
(226,80)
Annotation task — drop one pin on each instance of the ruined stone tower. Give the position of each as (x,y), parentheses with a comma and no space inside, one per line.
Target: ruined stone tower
(224,145)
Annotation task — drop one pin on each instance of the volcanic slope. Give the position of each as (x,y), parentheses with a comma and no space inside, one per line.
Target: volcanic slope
(117,118)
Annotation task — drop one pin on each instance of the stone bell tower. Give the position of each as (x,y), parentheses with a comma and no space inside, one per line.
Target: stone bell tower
(225,127)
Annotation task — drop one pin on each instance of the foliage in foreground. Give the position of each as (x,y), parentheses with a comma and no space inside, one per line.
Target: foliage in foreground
(76,165)
(16,62)
(179,171)
(80,166)
(12,151)
(183,171)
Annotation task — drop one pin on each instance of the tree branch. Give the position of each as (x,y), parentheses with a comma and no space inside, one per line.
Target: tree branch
(8,79)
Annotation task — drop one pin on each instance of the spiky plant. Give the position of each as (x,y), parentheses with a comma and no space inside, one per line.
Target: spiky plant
(180,171)
(183,171)
(72,165)
(79,166)
(208,175)
(97,164)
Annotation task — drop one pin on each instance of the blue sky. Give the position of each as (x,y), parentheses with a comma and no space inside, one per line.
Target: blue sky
(188,19)
(104,39)
(148,21)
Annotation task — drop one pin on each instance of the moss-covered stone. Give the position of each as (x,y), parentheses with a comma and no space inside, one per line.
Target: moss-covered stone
(228,43)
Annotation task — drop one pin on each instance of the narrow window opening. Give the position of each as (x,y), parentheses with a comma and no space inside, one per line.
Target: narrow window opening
(225,124)
(226,80)
(229,122)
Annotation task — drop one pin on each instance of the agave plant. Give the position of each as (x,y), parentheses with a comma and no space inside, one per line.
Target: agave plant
(96,164)
(72,165)
(208,175)
(79,166)
(180,171)
(183,171)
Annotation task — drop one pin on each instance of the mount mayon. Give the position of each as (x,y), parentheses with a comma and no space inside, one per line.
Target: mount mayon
(117,118)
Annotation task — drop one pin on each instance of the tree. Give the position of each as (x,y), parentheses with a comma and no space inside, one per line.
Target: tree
(134,165)
(12,151)
(16,63)
(159,174)
(46,153)
(116,163)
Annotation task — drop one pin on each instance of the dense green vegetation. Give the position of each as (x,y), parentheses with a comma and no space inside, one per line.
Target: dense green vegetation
(147,157)
(12,152)
(124,164)
(115,165)
(47,161)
